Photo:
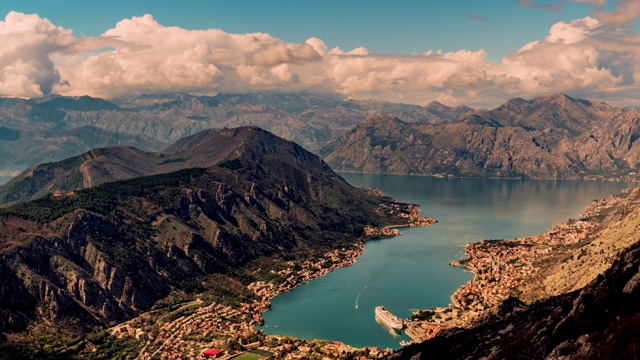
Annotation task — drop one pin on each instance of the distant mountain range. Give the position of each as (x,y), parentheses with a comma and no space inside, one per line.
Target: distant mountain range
(309,120)
(553,137)
(547,137)
(222,201)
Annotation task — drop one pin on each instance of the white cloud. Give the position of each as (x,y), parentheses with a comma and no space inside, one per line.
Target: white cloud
(26,69)
(572,32)
(139,55)
(626,12)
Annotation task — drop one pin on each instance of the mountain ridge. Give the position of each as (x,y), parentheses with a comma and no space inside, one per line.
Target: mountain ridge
(205,149)
(551,137)
(310,120)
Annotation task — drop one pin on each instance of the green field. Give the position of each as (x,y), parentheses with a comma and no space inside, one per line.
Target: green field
(249,356)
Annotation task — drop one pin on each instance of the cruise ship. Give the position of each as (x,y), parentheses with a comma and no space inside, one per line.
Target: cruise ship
(388,319)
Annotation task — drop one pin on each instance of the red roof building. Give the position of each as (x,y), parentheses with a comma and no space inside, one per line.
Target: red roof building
(216,353)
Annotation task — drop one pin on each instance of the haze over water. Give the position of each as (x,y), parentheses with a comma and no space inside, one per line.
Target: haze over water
(411,271)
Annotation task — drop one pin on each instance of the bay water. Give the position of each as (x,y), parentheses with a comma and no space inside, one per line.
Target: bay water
(411,271)
(5,179)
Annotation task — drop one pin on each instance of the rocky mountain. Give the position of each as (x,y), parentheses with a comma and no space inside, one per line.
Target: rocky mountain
(547,137)
(242,201)
(205,149)
(20,149)
(310,120)
(597,320)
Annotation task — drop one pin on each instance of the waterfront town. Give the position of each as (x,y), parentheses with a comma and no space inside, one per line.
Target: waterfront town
(501,267)
(198,329)
(504,268)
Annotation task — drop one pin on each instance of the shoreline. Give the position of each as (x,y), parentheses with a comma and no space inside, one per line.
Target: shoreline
(229,325)
(449,176)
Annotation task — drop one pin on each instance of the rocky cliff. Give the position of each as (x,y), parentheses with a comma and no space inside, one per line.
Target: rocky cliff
(547,137)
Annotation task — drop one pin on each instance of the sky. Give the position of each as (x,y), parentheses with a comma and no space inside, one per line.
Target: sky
(477,53)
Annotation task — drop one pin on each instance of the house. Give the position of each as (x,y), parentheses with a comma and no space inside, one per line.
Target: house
(215,353)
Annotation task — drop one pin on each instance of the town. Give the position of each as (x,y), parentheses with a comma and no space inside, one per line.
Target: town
(232,331)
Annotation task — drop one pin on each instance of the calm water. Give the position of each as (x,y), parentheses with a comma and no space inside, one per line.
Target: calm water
(5,179)
(411,271)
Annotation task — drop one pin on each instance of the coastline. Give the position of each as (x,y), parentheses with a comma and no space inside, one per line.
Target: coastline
(221,326)
(505,269)
(628,178)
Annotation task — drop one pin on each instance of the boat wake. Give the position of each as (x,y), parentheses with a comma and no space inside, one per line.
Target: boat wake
(357,298)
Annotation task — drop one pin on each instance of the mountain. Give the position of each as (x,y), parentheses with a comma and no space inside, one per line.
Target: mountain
(205,149)
(92,168)
(242,203)
(310,120)
(548,137)
(20,149)
(598,320)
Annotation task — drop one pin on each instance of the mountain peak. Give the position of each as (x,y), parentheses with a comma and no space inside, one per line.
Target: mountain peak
(435,104)
(249,145)
(222,140)
(517,101)
(381,120)
(558,99)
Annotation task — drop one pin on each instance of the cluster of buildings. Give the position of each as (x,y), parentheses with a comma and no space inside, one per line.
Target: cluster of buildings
(214,326)
(499,267)
(412,213)
(409,212)
(129,331)
(297,349)
(295,274)
(387,231)
(232,329)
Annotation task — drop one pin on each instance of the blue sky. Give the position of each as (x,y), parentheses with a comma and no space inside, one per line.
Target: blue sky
(392,27)
(473,52)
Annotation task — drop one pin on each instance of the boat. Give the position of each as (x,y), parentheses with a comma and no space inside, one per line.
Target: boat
(388,319)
